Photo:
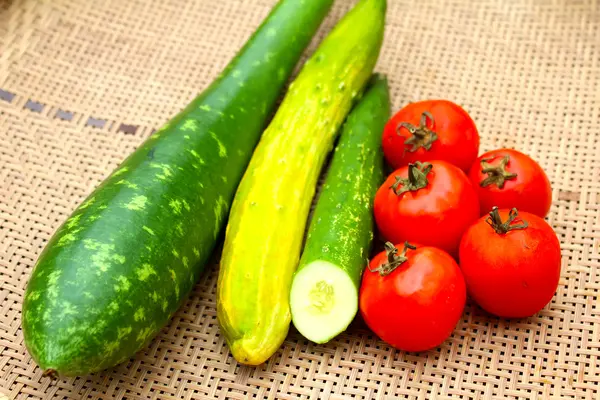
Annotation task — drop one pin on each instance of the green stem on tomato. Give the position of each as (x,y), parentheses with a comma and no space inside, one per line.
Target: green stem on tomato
(501,228)
(422,136)
(496,175)
(417,178)
(394,260)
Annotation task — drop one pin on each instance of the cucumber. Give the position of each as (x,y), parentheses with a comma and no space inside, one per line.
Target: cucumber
(266,225)
(120,266)
(324,294)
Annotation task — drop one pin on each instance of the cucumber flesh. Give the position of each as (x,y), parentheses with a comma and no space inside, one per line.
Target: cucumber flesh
(324,292)
(323,300)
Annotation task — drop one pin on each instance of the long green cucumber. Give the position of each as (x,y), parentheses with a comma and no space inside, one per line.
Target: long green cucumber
(324,294)
(120,266)
(266,225)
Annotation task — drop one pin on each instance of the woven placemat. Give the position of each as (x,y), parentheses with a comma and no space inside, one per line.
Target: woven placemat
(82,83)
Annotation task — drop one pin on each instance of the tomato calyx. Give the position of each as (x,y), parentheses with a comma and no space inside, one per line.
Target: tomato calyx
(417,178)
(501,228)
(394,260)
(422,136)
(497,175)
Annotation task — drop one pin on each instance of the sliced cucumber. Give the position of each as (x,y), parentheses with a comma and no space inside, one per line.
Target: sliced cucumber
(324,300)
(324,293)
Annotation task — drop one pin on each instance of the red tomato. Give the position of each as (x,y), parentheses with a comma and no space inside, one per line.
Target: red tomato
(507,178)
(412,300)
(431,130)
(511,263)
(430,203)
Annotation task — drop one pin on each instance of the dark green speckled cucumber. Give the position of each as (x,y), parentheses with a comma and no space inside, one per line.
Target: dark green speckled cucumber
(119,267)
(324,294)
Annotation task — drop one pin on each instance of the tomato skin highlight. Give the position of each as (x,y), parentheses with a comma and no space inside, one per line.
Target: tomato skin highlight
(436,215)
(417,306)
(529,191)
(457,137)
(515,274)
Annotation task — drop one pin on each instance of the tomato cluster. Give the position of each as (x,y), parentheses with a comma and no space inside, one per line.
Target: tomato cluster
(444,204)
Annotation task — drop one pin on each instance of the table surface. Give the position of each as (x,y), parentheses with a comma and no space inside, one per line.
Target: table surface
(83,83)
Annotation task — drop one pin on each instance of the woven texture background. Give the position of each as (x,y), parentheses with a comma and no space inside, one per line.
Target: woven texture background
(82,83)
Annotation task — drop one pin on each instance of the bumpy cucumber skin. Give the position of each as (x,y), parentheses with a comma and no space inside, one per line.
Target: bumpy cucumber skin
(266,225)
(341,228)
(120,266)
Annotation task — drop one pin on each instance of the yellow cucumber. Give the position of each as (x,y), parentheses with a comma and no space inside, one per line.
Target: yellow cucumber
(270,209)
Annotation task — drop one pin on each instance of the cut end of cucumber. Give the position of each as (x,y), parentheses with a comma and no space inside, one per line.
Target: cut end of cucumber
(323,301)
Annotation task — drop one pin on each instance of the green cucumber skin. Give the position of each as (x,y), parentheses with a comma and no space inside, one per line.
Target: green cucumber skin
(123,262)
(341,228)
(268,218)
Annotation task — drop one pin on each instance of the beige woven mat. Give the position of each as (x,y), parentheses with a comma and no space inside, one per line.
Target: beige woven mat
(82,83)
